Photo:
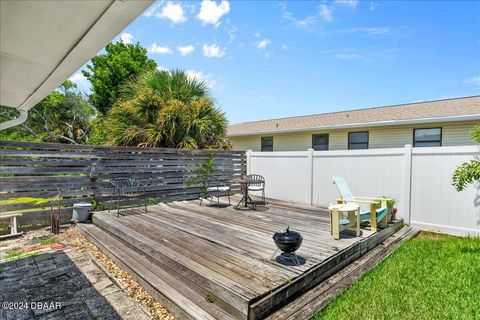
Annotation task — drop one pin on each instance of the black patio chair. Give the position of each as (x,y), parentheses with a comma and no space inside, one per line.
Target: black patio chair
(217,188)
(258,186)
(125,188)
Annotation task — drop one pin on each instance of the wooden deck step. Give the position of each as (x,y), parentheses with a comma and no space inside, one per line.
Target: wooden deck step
(317,298)
(180,299)
(157,243)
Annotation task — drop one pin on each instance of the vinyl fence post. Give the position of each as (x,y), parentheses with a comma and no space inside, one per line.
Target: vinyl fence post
(310,176)
(405,204)
(249,161)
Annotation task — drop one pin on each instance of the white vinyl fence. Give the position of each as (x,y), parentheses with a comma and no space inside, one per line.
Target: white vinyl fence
(419,178)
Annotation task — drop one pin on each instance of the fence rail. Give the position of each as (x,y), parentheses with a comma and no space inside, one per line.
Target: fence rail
(32,175)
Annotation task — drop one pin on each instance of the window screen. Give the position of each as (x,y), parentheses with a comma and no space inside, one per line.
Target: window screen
(267,143)
(428,137)
(358,140)
(320,142)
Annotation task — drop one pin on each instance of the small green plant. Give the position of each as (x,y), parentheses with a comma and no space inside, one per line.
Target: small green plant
(210,297)
(97,206)
(391,202)
(202,177)
(48,240)
(152,201)
(2,270)
(14,254)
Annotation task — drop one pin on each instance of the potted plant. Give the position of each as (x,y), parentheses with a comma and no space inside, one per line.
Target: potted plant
(392,209)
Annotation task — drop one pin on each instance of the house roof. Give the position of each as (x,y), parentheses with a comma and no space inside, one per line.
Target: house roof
(456,109)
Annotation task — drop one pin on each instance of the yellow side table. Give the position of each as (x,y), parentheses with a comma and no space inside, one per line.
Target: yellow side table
(336,214)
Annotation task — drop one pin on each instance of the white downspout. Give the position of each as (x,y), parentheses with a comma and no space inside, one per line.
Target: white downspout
(19,120)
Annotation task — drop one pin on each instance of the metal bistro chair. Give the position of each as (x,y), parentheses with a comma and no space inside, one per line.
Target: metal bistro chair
(255,187)
(217,188)
(128,187)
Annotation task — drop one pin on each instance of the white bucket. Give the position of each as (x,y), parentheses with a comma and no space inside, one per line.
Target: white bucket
(81,212)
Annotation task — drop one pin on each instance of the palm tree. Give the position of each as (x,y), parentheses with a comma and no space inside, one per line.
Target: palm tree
(166,109)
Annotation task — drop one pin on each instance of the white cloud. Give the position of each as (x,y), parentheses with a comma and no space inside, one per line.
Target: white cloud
(231,33)
(369,30)
(154,48)
(299,23)
(200,76)
(325,12)
(78,78)
(373,6)
(152,10)
(211,13)
(349,3)
(212,51)
(81,81)
(261,97)
(284,46)
(186,50)
(162,68)
(126,38)
(257,34)
(364,54)
(173,12)
(263,44)
(474,80)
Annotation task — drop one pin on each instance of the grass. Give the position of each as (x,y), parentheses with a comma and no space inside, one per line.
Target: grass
(15,255)
(210,298)
(12,255)
(429,277)
(48,240)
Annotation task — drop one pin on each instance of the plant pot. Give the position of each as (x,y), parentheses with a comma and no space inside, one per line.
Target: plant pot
(394,214)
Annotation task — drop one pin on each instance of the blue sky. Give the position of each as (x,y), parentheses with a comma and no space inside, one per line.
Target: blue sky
(277,59)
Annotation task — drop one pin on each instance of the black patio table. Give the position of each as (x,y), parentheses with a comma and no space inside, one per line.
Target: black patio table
(246,199)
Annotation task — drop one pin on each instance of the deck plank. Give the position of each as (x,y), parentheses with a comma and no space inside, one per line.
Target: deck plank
(192,248)
(257,222)
(258,243)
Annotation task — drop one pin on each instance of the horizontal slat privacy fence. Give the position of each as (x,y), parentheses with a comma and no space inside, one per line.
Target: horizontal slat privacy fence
(419,178)
(32,175)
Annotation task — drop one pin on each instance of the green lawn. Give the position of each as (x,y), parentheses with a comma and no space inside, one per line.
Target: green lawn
(428,277)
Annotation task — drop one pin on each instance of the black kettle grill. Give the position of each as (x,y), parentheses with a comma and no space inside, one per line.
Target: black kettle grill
(288,242)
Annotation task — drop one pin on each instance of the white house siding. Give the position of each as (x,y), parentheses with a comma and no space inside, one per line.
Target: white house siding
(453,134)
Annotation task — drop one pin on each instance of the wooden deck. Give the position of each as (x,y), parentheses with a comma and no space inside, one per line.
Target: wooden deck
(216,263)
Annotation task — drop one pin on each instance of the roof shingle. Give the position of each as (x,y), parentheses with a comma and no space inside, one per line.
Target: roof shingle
(411,111)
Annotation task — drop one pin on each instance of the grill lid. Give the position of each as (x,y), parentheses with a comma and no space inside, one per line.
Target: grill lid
(288,236)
